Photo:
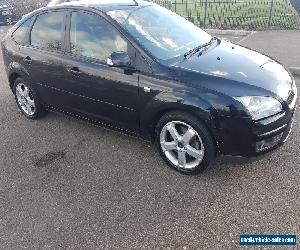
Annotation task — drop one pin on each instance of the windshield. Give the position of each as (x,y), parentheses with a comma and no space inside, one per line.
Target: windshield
(163,33)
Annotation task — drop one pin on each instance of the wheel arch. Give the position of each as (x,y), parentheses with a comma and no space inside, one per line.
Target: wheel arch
(181,102)
(12,78)
(16,70)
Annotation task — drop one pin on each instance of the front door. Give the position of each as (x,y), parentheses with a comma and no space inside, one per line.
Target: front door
(94,88)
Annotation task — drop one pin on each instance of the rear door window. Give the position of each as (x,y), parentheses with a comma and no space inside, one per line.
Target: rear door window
(47,32)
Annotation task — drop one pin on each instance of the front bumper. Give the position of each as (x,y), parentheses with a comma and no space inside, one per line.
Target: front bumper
(244,137)
(248,138)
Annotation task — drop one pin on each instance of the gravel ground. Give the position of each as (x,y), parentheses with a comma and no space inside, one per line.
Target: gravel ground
(65,184)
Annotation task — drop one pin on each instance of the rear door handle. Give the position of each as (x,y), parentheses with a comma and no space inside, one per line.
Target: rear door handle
(75,71)
(27,59)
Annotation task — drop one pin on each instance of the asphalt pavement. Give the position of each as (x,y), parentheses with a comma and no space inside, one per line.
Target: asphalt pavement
(282,45)
(66,184)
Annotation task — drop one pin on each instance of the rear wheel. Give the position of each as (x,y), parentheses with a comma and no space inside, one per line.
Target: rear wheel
(185,143)
(27,100)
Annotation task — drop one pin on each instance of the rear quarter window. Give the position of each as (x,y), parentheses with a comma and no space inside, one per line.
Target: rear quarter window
(19,36)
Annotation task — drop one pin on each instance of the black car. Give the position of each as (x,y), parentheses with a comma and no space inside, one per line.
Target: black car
(141,68)
(7,13)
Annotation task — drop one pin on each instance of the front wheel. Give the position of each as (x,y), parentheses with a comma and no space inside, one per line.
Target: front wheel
(185,143)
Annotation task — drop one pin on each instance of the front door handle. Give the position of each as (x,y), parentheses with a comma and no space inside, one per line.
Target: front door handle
(27,59)
(75,71)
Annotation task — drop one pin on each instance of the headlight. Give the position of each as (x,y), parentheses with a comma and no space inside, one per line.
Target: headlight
(260,106)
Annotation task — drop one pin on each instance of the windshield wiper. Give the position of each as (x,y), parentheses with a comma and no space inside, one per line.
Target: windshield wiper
(198,48)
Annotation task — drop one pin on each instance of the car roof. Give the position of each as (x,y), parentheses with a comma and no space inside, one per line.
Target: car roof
(104,5)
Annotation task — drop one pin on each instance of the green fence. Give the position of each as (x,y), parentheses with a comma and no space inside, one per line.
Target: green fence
(222,14)
(236,14)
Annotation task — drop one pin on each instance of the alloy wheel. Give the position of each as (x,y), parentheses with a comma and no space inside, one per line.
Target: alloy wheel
(182,145)
(25,99)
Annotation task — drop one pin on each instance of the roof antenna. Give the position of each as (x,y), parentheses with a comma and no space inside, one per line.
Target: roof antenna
(135,3)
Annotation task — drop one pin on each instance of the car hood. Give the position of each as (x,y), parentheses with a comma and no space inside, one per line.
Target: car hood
(239,64)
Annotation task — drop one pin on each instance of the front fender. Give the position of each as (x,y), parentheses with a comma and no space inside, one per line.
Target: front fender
(178,101)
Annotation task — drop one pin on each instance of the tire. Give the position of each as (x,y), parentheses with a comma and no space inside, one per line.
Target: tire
(192,142)
(27,100)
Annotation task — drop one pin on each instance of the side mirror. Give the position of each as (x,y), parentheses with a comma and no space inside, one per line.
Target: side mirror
(119,59)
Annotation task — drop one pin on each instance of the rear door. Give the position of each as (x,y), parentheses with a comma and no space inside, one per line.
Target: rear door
(43,56)
(94,88)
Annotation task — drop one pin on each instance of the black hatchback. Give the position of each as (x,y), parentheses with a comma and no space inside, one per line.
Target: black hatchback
(140,68)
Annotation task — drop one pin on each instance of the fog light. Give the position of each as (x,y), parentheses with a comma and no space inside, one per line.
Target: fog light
(268,143)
